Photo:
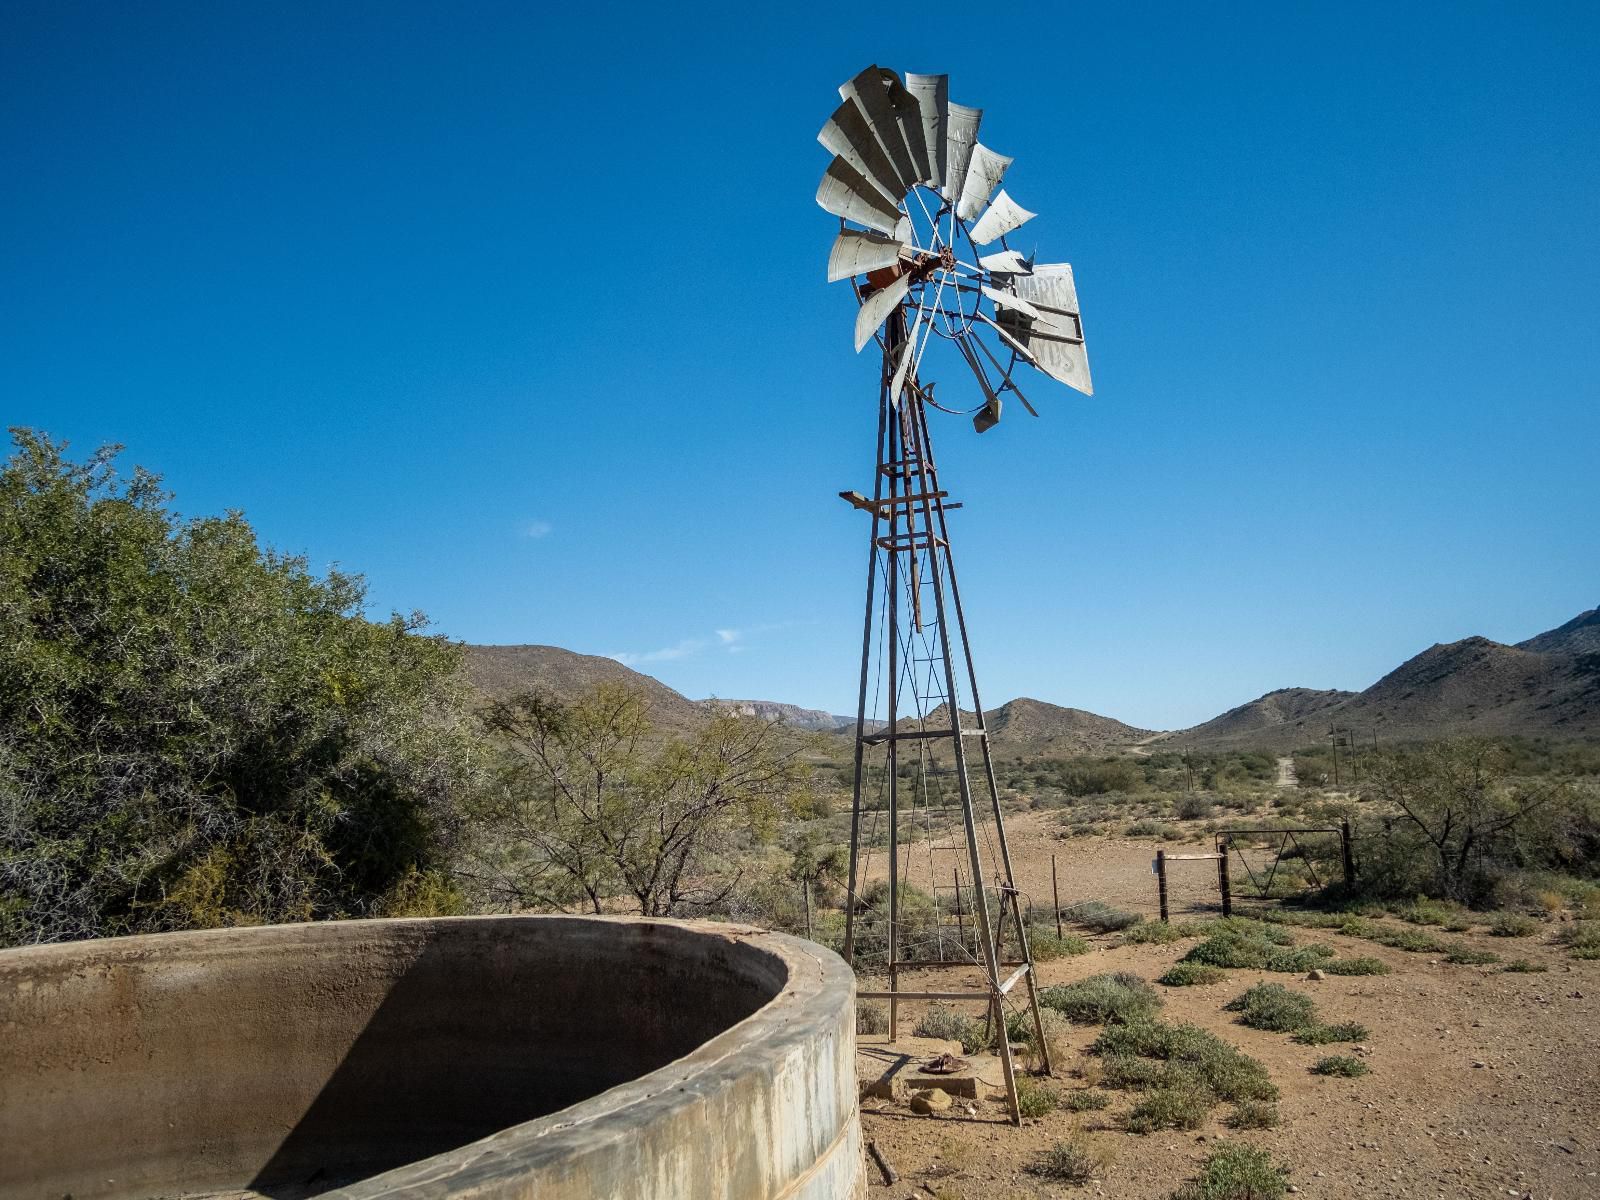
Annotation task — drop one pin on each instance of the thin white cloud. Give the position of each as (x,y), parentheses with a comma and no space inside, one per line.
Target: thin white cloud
(733,641)
(537,529)
(684,649)
(729,636)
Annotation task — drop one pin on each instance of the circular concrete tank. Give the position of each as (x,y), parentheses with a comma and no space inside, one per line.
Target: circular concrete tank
(548,1057)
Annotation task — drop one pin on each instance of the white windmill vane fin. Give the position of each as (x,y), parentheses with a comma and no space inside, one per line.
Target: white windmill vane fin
(984,173)
(868,91)
(907,353)
(932,94)
(849,136)
(845,192)
(1007,337)
(961,135)
(908,115)
(876,308)
(1009,300)
(855,252)
(1004,215)
(1006,262)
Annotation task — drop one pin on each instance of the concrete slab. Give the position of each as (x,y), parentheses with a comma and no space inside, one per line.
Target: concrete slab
(893,1070)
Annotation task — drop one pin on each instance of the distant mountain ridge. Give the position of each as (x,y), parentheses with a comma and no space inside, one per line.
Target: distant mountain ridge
(1547,685)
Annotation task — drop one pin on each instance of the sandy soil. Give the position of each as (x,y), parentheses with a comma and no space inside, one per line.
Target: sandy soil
(1483,1083)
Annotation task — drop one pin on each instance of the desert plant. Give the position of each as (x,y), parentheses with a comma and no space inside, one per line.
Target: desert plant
(1235,1172)
(1363,965)
(1085,1100)
(1522,966)
(872,1018)
(1342,1065)
(1035,1099)
(1274,1007)
(1187,974)
(1512,924)
(1582,939)
(1046,946)
(1181,1105)
(1103,998)
(1253,1114)
(1066,1162)
(941,1021)
(1467,956)
(1322,1035)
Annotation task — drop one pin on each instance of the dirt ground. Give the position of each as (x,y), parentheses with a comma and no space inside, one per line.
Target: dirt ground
(1483,1083)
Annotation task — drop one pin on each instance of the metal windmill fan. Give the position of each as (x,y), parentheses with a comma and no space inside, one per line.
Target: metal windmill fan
(909,170)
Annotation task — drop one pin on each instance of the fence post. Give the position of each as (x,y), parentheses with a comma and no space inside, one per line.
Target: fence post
(1224,885)
(1347,852)
(1055,896)
(1161,880)
(808,907)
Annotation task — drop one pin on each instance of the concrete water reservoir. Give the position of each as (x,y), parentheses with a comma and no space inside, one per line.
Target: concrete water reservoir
(548,1057)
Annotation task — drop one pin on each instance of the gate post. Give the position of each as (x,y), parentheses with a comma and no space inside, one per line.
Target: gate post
(1347,852)
(1223,883)
(1161,880)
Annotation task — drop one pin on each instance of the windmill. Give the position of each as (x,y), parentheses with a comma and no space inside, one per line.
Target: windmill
(923,228)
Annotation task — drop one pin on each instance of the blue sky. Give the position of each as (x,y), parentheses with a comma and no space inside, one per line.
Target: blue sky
(520,311)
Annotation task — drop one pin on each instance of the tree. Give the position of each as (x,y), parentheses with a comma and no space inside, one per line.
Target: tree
(1457,794)
(195,731)
(591,807)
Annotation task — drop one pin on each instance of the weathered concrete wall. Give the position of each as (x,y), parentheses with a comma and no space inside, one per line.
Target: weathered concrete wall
(560,1057)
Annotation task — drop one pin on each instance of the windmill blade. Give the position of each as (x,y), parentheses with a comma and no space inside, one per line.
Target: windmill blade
(868,91)
(848,135)
(907,353)
(1056,336)
(1009,339)
(961,135)
(845,192)
(1004,215)
(1010,300)
(855,252)
(908,115)
(1006,262)
(932,95)
(982,177)
(1007,384)
(876,308)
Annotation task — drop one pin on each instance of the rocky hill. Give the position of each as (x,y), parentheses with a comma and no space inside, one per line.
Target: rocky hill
(1037,726)
(789,714)
(1548,685)
(498,671)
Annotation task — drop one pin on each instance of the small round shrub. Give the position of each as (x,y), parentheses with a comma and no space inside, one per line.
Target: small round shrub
(1322,1035)
(1253,1114)
(1274,1007)
(1342,1065)
(1187,974)
(1035,1099)
(1085,1100)
(1467,956)
(872,1018)
(1102,999)
(1364,965)
(1066,1162)
(1512,924)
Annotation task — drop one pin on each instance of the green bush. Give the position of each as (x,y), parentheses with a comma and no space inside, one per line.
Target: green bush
(1467,956)
(196,731)
(1274,1007)
(1234,1172)
(1187,974)
(1522,966)
(1085,1100)
(940,1021)
(1322,1035)
(1339,1064)
(1253,1114)
(872,1018)
(1511,924)
(1103,998)
(1162,933)
(1364,965)
(1190,1054)
(1046,946)
(1035,1099)
(1180,1106)
(1066,1162)
(1581,938)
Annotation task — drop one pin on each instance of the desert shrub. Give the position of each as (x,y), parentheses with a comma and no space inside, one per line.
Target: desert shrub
(1522,966)
(1100,999)
(1035,1099)
(1153,829)
(1190,1053)
(1322,1035)
(872,1018)
(1128,1072)
(1362,965)
(1085,1100)
(1175,1106)
(1467,956)
(196,731)
(1582,939)
(1248,945)
(1066,1162)
(1411,940)
(1235,1172)
(1253,1114)
(1161,933)
(1512,924)
(1101,917)
(1342,1065)
(1046,946)
(1187,974)
(1274,1007)
(1195,807)
(941,1021)
(1423,911)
